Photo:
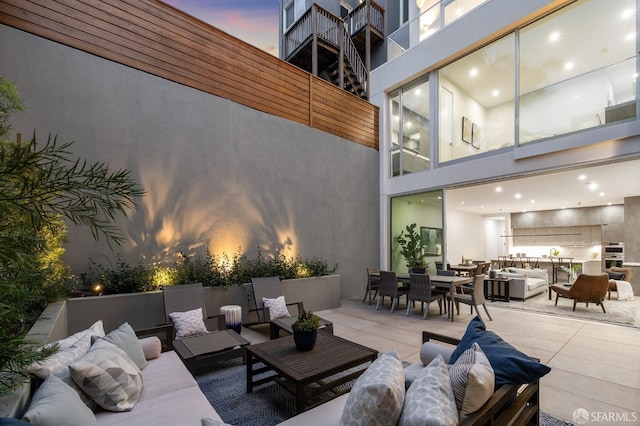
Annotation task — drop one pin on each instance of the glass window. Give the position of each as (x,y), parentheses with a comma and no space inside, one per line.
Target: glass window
(410,131)
(577,69)
(425,210)
(476,101)
(288,15)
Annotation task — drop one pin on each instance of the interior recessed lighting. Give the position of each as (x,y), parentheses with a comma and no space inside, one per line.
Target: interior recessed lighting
(518,196)
(630,36)
(554,36)
(568,66)
(396,118)
(627,13)
(473,72)
(593,186)
(601,194)
(609,203)
(576,98)
(418,92)
(462,202)
(562,207)
(634,77)
(495,93)
(498,189)
(533,201)
(409,124)
(582,177)
(524,211)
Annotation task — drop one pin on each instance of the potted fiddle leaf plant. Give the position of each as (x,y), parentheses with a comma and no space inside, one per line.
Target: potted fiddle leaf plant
(305,330)
(411,243)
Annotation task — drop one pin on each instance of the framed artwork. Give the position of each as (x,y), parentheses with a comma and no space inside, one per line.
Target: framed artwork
(431,241)
(466,130)
(475,136)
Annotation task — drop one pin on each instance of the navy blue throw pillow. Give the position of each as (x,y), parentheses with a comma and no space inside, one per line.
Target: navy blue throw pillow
(616,275)
(10,421)
(509,364)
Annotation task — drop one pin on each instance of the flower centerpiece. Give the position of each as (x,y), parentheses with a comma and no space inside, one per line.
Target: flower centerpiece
(305,330)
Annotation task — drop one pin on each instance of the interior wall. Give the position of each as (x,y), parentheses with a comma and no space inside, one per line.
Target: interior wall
(218,175)
(465,236)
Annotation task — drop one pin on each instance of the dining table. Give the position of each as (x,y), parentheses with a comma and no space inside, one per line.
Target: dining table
(441,281)
(463,269)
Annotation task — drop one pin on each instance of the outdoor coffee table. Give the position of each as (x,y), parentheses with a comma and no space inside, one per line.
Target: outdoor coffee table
(201,351)
(308,375)
(286,324)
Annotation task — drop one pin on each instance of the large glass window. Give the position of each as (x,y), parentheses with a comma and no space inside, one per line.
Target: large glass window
(410,131)
(476,101)
(425,210)
(577,69)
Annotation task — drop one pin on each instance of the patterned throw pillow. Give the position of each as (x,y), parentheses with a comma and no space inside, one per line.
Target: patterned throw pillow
(108,376)
(377,395)
(277,307)
(188,323)
(430,399)
(472,379)
(97,329)
(58,365)
(125,338)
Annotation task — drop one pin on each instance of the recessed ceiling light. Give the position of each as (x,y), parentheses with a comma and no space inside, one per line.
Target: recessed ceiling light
(601,194)
(396,118)
(582,177)
(498,189)
(630,36)
(409,124)
(462,202)
(593,186)
(627,13)
(524,211)
(609,203)
(554,36)
(533,201)
(518,196)
(473,72)
(495,93)
(568,65)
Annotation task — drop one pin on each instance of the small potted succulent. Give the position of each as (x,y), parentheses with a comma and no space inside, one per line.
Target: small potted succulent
(305,330)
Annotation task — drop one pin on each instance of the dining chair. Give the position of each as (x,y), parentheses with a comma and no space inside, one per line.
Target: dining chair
(442,291)
(420,291)
(475,298)
(389,287)
(373,282)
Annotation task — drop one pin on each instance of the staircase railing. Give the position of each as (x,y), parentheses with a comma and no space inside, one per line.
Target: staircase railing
(354,59)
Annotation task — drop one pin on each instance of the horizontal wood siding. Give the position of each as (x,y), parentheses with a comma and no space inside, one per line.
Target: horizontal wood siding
(156,38)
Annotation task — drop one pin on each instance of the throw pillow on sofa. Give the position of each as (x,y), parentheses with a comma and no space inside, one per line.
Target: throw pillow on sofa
(108,376)
(377,395)
(429,399)
(509,364)
(125,338)
(56,404)
(97,329)
(472,380)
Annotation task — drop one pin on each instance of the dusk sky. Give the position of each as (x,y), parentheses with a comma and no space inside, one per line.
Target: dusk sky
(253,21)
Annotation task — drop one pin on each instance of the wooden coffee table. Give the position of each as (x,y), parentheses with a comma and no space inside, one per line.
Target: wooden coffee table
(296,370)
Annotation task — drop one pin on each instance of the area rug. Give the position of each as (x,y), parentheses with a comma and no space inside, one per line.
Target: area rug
(618,311)
(267,405)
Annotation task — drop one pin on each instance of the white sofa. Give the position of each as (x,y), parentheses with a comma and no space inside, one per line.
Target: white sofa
(526,282)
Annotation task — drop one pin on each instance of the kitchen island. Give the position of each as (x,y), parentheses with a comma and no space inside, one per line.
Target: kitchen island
(587,266)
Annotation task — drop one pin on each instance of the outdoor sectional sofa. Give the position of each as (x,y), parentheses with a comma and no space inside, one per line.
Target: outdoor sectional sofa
(499,386)
(526,282)
(169,394)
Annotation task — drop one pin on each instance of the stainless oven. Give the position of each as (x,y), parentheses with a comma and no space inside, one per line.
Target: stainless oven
(613,254)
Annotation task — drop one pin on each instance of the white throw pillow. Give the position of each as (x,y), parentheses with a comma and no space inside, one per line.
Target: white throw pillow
(377,395)
(188,323)
(108,376)
(97,329)
(277,307)
(430,400)
(472,380)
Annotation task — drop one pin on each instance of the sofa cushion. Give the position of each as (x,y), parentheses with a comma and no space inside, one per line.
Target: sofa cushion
(165,375)
(472,380)
(430,399)
(108,376)
(151,347)
(509,364)
(56,404)
(125,338)
(534,283)
(377,395)
(188,323)
(429,351)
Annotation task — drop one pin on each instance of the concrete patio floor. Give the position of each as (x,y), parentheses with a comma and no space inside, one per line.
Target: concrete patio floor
(595,366)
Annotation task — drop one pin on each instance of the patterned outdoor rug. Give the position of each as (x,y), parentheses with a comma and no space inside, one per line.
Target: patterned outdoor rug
(618,311)
(269,404)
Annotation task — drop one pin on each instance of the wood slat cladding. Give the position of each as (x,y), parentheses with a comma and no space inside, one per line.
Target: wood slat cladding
(158,39)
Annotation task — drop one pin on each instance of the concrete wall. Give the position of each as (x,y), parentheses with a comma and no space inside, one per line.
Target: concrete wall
(218,175)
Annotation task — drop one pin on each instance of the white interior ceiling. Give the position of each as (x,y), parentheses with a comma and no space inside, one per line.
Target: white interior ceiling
(613,182)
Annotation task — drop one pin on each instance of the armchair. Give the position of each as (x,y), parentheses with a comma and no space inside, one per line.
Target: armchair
(586,288)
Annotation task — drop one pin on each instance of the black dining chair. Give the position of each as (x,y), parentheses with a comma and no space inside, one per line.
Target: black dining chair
(420,291)
(389,287)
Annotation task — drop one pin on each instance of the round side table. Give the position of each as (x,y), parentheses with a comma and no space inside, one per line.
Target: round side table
(232,317)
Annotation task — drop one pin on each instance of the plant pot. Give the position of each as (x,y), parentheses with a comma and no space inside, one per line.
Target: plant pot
(305,340)
(417,270)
